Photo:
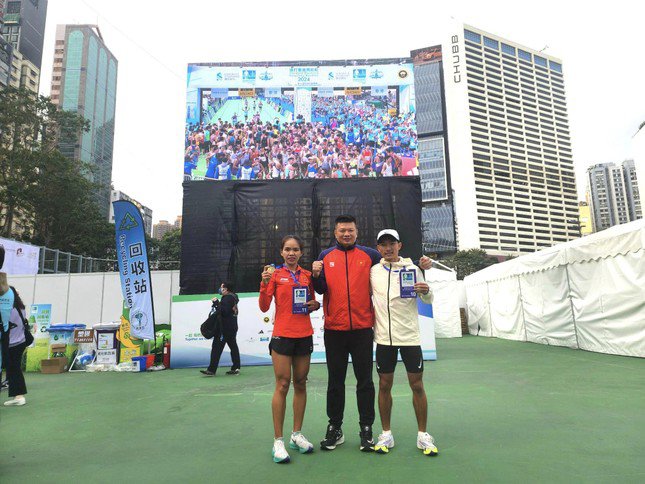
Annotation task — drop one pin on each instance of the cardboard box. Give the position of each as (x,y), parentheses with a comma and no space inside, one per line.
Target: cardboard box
(53,365)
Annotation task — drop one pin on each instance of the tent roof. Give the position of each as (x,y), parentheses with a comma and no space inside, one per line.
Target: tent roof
(617,240)
(436,275)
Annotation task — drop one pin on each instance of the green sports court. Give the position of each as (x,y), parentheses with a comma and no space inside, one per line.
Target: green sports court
(500,411)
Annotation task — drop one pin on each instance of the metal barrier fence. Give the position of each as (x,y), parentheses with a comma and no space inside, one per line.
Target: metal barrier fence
(53,261)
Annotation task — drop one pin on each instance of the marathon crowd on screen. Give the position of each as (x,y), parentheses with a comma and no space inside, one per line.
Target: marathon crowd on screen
(353,141)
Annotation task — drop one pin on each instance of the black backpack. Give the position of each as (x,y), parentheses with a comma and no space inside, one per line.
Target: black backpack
(29,338)
(212,327)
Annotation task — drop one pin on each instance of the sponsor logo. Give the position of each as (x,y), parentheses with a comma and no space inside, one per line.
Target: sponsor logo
(456,59)
(331,264)
(264,339)
(304,75)
(227,76)
(303,71)
(403,73)
(261,332)
(248,75)
(138,320)
(266,76)
(376,74)
(338,76)
(266,319)
(359,74)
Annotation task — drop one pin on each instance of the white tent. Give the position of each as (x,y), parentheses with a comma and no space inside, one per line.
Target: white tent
(445,306)
(588,293)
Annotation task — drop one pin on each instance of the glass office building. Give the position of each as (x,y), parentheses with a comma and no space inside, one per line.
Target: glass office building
(84,80)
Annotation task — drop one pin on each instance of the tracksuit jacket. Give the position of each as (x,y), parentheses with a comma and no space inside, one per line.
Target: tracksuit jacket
(397,319)
(345,282)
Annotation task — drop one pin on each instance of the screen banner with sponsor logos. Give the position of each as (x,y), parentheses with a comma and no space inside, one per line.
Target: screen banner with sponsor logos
(292,120)
(191,349)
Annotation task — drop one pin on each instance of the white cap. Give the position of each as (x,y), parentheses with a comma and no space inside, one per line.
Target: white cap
(390,232)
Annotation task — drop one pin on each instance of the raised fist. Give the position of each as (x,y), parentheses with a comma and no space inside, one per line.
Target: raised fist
(316,268)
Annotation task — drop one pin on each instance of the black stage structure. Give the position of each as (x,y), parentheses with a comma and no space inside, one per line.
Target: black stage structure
(231,229)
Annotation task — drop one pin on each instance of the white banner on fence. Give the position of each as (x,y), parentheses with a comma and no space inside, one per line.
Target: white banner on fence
(19,258)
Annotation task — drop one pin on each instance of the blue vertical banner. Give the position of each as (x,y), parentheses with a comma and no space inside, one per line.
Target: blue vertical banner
(136,283)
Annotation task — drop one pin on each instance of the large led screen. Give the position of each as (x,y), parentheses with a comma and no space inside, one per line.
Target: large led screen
(266,121)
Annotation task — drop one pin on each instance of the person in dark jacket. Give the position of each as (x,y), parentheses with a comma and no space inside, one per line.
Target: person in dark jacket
(227,333)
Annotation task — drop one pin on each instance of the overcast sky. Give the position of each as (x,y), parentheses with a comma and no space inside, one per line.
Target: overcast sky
(602,49)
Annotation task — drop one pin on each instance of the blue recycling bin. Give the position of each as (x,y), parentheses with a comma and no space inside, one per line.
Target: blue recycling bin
(63,334)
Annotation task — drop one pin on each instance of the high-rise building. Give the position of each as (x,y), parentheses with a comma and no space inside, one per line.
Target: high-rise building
(22,30)
(497,142)
(633,193)
(84,80)
(23,73)
(6,61)
(585,220)
(613,194)
(146,213)
(162,228)
(639,156)
(437,214)
(24,27)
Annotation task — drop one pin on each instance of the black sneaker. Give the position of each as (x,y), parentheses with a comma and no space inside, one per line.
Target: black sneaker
(233,372)
(367,441)
(207,372)
(333,438)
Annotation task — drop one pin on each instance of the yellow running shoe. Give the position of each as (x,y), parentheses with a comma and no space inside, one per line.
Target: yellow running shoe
(425,442)
(384,444)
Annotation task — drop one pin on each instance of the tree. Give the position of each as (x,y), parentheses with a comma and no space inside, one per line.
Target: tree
(467,262)
(169,249)
(45,197)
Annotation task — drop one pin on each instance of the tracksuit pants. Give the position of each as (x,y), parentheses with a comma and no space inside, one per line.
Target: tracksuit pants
(339,345)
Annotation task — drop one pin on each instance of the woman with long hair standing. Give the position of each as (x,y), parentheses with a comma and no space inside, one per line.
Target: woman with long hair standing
(17,345)
(291,343)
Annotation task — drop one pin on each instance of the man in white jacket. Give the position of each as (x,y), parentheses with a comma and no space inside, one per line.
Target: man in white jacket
(396,282)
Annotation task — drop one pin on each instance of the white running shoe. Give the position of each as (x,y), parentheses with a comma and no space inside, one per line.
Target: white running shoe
(425,442)
(18,401)
(384,444)
(280,454)
(300,443)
